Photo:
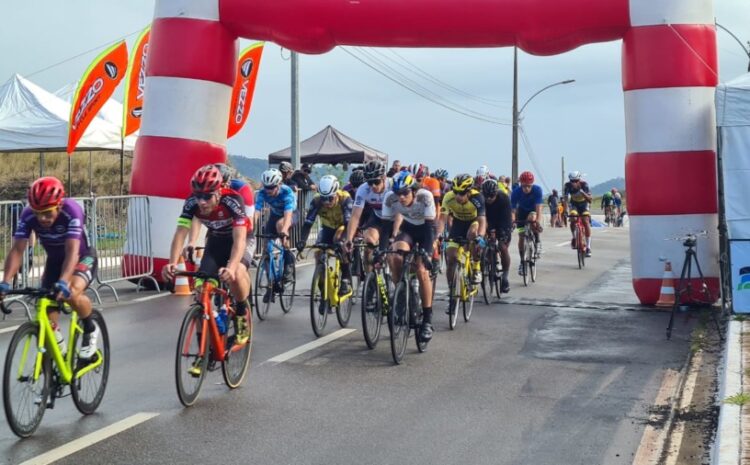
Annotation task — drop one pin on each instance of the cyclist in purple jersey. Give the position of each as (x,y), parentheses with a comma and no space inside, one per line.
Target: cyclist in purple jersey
(60,225)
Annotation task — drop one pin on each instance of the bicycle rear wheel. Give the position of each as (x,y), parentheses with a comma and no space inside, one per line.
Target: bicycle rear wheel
(188,357)
(263,288)
(344,311)
(88,389)
(415,305)
(237,358)
(287,291)
(486,278)
(372,308)
(454,296)
(24,398)
(398,321)
(496,281)
(318,304)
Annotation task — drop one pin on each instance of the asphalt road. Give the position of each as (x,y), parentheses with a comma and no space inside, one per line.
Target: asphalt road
(537,378)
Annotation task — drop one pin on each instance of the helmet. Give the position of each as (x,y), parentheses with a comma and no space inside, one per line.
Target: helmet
(420,171)
(226,172)
(489,188)
(286,167)
(374,169)
(45,193)
(440,173)
(614,190)
(462,183)
(574,175)
(271,177)
(527,177)
(306,167)
(328,185)
(404,181)
(483,171)
(207,179)
(357,178)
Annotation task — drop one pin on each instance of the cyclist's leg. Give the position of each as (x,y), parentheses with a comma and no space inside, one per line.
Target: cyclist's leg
(403,243)
(573,214)
(84,274)
(536,230)
(288,256)
(472,234)
(503,243)
(587,227)
(346,266)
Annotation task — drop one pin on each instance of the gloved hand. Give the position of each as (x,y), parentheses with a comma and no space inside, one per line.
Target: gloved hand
(4,288)
(300,246)
(62,287)
(480,241)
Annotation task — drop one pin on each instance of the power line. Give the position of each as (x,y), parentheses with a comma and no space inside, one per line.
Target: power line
(532,157)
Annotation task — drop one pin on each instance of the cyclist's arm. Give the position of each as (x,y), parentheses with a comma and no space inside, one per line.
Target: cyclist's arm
(14,258)
(72,248)
(397,220)
(239,237)
(195,230)
(482,225)
(178,242)
(286,222)
(351,228)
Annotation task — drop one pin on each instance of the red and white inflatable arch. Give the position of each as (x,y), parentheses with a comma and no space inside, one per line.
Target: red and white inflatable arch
(669,73)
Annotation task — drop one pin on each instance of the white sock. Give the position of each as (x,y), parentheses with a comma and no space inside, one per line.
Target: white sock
(588,242)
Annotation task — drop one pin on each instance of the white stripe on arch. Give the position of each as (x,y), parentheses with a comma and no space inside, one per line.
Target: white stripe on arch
(193,9)
(655,12)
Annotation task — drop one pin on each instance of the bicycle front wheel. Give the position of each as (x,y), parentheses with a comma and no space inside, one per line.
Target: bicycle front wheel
(372,308)
(263,289)
(87,388)
(344,311)
(237,359)
(487,280)
(318,304)
(454,296)
(398,321)
(287,291)
(190,364)
(581,249)
(25,398)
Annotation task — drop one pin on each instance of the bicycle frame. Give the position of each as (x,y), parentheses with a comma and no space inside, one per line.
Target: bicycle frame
(465,261)
(274,270)
(209,289)
(332,276)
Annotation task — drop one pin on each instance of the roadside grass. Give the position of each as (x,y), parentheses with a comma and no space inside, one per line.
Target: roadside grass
(741,398)
(738,317)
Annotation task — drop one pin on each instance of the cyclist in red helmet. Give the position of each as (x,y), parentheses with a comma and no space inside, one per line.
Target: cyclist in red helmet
(60,225)
(222,211)
(527,201)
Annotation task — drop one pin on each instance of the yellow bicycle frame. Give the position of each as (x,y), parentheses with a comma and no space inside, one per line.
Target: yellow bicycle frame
(333,280)
(465,260)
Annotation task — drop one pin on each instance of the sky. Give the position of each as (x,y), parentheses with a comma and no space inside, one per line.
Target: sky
(583,121)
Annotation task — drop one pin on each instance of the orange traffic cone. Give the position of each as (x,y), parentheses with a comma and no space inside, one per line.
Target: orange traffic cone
(666,297)
(181,284)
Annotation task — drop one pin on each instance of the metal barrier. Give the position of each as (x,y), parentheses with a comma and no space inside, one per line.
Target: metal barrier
(117,221)
(10,212)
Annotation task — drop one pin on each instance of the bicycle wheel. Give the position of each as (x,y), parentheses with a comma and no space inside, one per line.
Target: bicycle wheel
(237,359)
(398,321)
(344,310)
(287,291)
(454,296)
(468,305)
(416,305)
(486,279)
(496,281)
(358,274)
(372,308)
(263,288)
(581,249)
(24,398)
(88,389)
(532,270)
(525,270)
(188,357)
(318,305)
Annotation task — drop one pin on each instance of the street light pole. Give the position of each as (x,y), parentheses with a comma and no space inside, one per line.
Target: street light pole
(744,49)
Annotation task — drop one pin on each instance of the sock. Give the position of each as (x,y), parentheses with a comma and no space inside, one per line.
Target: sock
(588,242)
(242,307)
(427,314)
(88,324)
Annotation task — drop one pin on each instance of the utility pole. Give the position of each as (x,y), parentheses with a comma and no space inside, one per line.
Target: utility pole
(295,111)
(562,174)
(514,153)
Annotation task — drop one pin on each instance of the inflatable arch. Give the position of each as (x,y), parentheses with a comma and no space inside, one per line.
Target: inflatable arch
(669,72)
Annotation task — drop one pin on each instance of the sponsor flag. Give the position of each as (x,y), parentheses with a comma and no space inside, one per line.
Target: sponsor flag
(132,107)
(244,85)
(96,86)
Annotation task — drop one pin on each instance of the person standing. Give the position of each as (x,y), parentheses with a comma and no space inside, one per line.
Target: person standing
(303,179)
(552,201)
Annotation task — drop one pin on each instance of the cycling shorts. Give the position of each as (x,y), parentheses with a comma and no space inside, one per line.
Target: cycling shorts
(521,217)
(85,269)
(581,208)
(327,235)
(460,229)
(217,253)
(423,234)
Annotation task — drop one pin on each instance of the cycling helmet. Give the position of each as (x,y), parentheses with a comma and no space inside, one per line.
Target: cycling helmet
(271,177)
(489,188)
(357,178)
(440,173)
(483,171)
(420,171)
(403,182)
(207,179)
(285,167)
(527,177)
(462,183)
(46,192)
(574,175)
(374,170)
(328,185)
(226,172)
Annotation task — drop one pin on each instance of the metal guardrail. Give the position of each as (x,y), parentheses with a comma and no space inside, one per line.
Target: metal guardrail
(10,212)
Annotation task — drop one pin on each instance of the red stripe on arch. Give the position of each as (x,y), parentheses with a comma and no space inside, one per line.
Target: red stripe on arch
(681,55)
(649,289)
(671,183)
(210,55)
(164,165)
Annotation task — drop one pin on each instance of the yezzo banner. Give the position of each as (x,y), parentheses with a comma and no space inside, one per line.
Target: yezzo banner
(96,86)
(132,107)
(244,86)
(740,251)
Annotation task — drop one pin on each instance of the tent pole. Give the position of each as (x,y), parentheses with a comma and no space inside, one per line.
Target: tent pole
(70,176)
(122,165)
(91,176)
(41,164)
(295,154)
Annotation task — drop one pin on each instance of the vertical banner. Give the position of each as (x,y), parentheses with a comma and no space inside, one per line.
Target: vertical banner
(135,80)
(244,86)
(740,251)
(96,86)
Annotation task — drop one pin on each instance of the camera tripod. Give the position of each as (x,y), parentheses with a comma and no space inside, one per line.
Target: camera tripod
(685,285)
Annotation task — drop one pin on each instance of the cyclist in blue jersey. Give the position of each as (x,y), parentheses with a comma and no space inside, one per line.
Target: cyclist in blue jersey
(282,203)
(526,202)
(60,226)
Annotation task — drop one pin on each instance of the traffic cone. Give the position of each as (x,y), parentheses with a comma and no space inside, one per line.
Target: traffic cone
(666,297)
(181,284)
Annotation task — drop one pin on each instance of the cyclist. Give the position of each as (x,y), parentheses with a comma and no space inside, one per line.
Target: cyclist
(222,211)
(483,173)
(499,219)
(465,205)
(356,179)
(578,199)
(606,205)
(432,185)
(503,182)
(617,198)
(369,202)
(413,211)
(442,176)
(526,201)
(282,202)
(287,170)
(334,206)
(552,201)
(59,224)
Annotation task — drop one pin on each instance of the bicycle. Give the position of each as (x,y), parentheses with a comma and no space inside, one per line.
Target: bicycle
(270,278)
(610,216)
(376,298)
(580,241)
(491,269)
(461,288)
(37,374)
(358,267)
(207,338)
(528,265)
(324,290)
(406,311)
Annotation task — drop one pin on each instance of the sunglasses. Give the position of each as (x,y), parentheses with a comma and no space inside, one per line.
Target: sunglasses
(269,188)
(404,193)
(374,182)
(327,198)
(203,195)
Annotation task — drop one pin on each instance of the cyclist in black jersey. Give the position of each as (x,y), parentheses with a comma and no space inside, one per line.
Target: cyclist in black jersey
(500,220)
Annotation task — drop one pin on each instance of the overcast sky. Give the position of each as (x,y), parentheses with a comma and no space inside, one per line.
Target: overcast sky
(583,121)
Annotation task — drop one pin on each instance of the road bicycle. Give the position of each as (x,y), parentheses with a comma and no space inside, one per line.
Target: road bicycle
(269,279)
(37,371)
(376,297)
(358,266)
(491,268)
(461,288)
(580,240)
(610,216)
(207,339)
(528,265)
(324,290)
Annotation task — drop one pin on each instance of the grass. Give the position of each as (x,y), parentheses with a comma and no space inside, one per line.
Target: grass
(741,398)
(740,317)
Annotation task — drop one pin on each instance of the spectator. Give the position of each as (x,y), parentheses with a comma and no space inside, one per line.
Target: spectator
(553,200)
(287,171)
(395,168)
(303,180)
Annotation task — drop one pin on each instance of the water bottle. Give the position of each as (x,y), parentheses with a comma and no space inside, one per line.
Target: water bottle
(223,319)
(59,338)
(219,322)
(415,285)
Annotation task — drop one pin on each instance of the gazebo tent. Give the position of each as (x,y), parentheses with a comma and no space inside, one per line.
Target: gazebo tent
(330,146)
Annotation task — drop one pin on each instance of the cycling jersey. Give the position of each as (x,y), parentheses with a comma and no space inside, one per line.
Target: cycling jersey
(433,186)
(576,193)
(421,210)
(618,199)
(370,200)
(519,200)
(246,192)
(468,211)
(284,201)
(351,190)
(228,214)
(70,224)
(498,214)
(330,217)
(607,200)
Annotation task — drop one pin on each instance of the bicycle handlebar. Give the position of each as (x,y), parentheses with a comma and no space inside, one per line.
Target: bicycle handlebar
(32,291)
(198,274)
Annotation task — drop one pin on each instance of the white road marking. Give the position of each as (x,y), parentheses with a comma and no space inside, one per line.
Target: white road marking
(150,297)
(310,346)
(562,244)
(90,439)
(9,329)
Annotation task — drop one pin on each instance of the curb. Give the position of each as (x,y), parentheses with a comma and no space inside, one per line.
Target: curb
(726,450)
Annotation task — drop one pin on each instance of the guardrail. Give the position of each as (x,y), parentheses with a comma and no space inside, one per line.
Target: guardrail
(10,212)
